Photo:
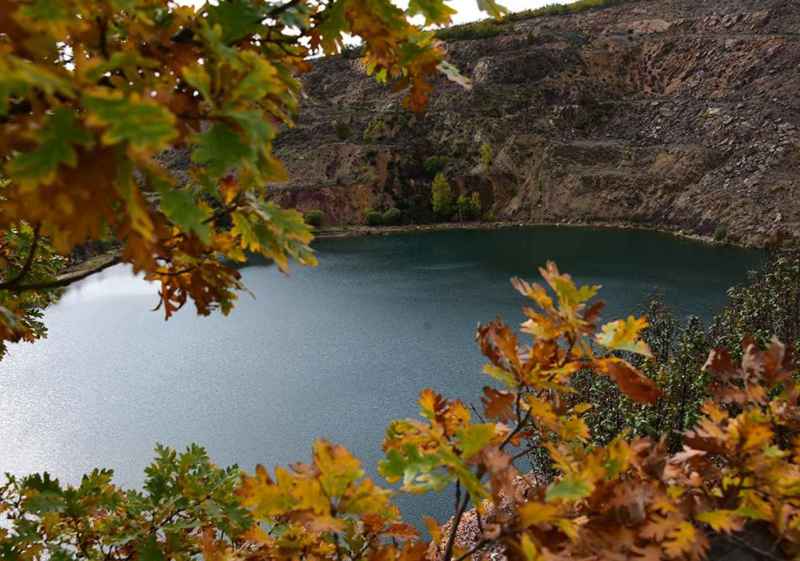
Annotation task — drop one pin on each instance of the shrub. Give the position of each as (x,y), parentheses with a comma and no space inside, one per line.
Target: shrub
(184,499)
(343,130)
(392,217)
(575,7)
(434,165)
(487,156)
(720,233)
(680,352)
(441,197)
(375,130)
(766,306)
(314,218)
(373,218)
(471,31)
(469,207)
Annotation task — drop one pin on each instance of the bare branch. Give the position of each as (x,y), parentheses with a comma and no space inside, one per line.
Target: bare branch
(68,279)
(451,539)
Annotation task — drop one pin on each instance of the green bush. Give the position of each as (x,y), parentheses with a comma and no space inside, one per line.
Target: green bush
(373,218)
(491,28)
(767,306)
(343,130)
(680,352)
(441,197)
(434,165)
(375,130)
(562,9)
(314,218)
(469,208)
(392,217)
(471,31)
(720,233)
(487,156)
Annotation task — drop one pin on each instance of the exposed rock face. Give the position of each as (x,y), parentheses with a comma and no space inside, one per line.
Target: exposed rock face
(670,113)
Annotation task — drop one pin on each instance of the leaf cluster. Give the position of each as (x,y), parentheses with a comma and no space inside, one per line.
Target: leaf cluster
(93,92)
(186,505)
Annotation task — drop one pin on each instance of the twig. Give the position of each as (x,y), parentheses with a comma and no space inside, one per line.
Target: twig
(282,8)
(516,430)
(102,25)
(754,549)
(451,539)
(67,280)
(518,455)
(477,413)
(26,267)
(480,545)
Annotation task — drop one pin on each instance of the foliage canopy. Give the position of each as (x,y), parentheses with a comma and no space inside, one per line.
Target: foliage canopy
(92,92)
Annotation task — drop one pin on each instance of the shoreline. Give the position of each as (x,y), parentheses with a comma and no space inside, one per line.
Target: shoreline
(360,230)
(97,262)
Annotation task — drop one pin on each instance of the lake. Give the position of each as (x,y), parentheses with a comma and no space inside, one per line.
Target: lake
(336,351)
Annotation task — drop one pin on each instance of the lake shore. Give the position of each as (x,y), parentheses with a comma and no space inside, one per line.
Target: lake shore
(83,268)
(360,230)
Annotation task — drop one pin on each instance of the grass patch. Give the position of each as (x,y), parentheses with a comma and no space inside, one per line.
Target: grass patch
(471,31)
(564,9)
(491,28)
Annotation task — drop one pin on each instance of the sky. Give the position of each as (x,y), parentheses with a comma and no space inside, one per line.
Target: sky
(468,9)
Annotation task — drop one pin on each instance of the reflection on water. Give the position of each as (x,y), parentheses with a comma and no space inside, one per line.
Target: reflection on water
(335,351)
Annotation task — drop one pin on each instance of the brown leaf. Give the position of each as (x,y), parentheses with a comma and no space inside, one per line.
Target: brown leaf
(630,380)
(498,404)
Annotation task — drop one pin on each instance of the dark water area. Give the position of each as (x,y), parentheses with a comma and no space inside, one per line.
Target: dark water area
(336,351)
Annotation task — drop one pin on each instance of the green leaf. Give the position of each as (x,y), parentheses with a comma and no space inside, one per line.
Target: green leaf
(331,27)
(569,489)
(238,19)
(130,62)
(262,79)
(43,494)
(492,8)
(181,208)
(197,77)
(220,149)
(18,77)
(144,124)
(501,375)
(420,473)
(148,550)
(475,438)
(434,11)
(60,133)
(53,15)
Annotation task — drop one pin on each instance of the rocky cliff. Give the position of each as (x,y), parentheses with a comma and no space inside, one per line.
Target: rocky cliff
(675,114)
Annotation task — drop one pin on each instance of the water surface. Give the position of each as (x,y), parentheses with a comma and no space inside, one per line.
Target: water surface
(335,351)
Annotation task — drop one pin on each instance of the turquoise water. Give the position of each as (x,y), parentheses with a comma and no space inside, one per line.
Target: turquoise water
(335,351)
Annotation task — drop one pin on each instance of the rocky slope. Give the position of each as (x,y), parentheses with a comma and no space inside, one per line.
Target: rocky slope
(674,114)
